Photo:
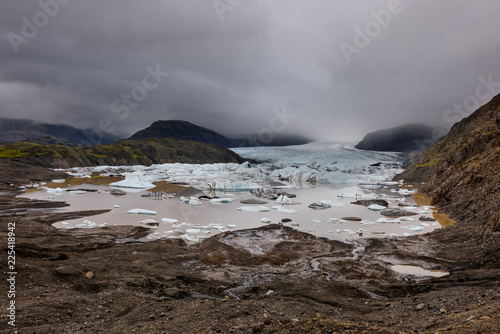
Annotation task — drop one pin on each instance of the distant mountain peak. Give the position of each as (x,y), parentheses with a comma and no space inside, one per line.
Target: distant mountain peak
(188,131)
(404,138)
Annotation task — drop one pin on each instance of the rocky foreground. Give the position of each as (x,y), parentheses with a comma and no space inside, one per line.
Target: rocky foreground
(266,280)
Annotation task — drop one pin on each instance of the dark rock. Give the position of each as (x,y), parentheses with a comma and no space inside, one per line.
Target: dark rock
(271,193)
(286,220)
(426,219)
(319,206)
(253,201)
(408,204)
(405,138)
(397,212)
(117,192)
(353,219)
(259,327)
(368,202)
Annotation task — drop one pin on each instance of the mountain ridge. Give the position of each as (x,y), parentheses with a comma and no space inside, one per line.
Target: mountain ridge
(14,130)
(408,138)
(462,171)
(188,131)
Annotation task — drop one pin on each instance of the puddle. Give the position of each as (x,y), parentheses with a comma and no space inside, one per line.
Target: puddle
(417,271)
(442,218)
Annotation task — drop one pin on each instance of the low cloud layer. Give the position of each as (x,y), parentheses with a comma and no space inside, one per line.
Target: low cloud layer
(341,68)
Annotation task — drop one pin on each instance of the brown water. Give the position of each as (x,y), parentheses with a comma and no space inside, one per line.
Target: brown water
(417,271)
(194,221)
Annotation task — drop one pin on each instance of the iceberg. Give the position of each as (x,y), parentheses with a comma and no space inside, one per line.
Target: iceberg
(220,200)
(133,184)
(375,207)
(342,193)
(169,220)
(249,208)
(287,211)
(142,212)
(77,192)
(413,228)
(332,203)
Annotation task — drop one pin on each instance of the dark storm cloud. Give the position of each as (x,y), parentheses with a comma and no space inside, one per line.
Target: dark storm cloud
(90,64)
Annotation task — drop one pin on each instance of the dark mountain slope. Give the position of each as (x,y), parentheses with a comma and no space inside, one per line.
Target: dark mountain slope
(405,138)
(124,152)
(13,130)
(189,131)
(182,130)
(462,171)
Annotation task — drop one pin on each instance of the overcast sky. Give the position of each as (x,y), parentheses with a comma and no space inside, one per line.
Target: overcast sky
(334,66)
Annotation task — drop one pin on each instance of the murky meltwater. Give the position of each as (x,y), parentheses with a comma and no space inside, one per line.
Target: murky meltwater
(175,218)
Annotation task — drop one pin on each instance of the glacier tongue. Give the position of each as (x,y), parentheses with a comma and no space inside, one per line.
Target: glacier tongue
(318,163)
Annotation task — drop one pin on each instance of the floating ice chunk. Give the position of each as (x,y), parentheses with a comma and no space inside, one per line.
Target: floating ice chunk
(148,221)
(117,206)
(250,208)
(407,234)
(332,203)
(375,207)
(77,192)
(133,184)
(317,220)
(58,181)
(282,199)
(232,226)
(390,183)
(193,230)
(142,212)
(385,220)
(265,220)
(220,200)
(195,202)
(408,219)
(188,238)
(206,227)
(425,224)
(338,230)
(413,228)
(65,223)
(342,193)
(368,222)
(169,220)
(51,197)
(287,211)
(57,191)
(232,185)
(407,191)
(369,186)
(333,220)
(368,196)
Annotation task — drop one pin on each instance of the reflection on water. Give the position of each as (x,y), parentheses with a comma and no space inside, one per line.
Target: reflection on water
(442,218)
(200,221)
